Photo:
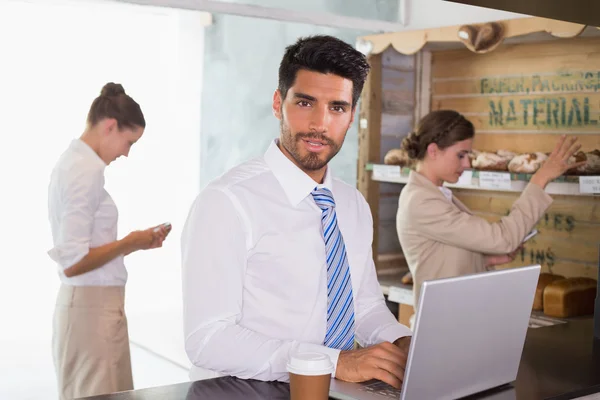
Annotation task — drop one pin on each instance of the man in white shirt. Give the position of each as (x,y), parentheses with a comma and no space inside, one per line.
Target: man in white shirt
(277,252)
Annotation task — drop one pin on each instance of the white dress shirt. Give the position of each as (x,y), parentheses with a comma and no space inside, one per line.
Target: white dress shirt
(255,271)
(82,216)
(446,192)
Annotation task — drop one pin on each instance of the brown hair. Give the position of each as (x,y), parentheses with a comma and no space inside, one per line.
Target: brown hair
(442,127)
(114,103)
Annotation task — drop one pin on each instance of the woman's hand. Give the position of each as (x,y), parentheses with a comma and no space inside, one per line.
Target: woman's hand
(558,161)
(150,238)
(493,260)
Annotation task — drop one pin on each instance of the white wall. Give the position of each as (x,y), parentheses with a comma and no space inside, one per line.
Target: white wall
(56,56)
(423,14)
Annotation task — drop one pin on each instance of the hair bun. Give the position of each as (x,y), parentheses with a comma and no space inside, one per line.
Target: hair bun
(410,144)
(112,89)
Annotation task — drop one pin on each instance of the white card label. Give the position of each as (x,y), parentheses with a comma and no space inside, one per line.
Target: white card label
(494,180)
(466,178)
(589,184)
(400,295)
(386,171)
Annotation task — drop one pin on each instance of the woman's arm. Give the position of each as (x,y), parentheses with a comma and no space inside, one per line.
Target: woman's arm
(443,222)
(81,194)
(98,256)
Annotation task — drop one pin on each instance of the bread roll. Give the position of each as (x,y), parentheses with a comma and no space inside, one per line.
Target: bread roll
(570,297)
(490,162)
(591,167)
(473,156)
(407,279)
(527,163)
(397,157)
(507,155)
(544,279)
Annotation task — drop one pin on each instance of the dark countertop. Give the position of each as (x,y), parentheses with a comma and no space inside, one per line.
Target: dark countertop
(558,362)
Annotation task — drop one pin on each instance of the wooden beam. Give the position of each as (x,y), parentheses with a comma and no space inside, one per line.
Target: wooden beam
(369,143)
(423,85)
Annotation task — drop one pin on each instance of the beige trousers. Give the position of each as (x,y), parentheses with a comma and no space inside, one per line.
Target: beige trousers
(90,341)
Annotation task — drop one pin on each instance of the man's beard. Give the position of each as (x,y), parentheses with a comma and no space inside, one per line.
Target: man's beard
(310,161)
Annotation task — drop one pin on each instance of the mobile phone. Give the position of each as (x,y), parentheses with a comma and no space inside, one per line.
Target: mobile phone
(530,235)
(166,225)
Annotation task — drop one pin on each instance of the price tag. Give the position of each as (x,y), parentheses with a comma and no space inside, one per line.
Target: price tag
(494,180)
(589,184)
(386,172)
(466,178)
(400,295)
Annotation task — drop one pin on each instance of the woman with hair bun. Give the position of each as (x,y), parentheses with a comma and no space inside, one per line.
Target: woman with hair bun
(439,235)
(90,341)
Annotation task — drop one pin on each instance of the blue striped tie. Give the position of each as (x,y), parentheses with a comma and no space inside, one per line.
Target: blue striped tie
(340,306)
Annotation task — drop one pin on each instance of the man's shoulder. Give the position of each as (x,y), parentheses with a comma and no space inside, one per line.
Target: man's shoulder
(244,174)
(349,194)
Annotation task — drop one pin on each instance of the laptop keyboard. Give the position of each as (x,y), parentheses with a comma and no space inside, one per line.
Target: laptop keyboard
(382,389)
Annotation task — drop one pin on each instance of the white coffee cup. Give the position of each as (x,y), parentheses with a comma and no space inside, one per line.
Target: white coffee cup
(310,376)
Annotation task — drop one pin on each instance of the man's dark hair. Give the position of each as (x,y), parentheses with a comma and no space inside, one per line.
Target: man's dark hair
(327,55)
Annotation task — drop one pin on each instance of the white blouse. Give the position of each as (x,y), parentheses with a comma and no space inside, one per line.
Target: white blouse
(82,216)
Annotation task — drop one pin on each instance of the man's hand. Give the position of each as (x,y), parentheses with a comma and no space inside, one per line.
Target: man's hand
(403,344)
(384,361)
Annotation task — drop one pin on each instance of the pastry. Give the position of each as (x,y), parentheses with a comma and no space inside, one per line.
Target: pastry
(407,279)
(490,162)
(507,155)
(397,157)
(472,156)
(591,167)
(527,163)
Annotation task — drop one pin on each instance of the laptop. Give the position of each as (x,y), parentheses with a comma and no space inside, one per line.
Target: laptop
(468,337)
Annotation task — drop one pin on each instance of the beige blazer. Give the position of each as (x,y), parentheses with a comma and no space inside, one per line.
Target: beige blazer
(442,239)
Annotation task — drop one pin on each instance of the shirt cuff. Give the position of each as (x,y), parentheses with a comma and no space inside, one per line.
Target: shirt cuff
(333,354)
(394,332)
(68,255)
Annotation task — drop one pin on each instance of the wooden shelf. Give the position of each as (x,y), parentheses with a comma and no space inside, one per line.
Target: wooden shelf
(566,185)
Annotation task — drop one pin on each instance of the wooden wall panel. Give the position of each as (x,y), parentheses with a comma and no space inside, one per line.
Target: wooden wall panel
(520,98)
(397,120)
(569,231)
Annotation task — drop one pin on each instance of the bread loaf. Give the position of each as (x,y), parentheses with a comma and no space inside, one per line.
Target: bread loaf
(544,279)
(527,163)
(592,163)
(570,297)
(407,279)
(397,157)
(490,162)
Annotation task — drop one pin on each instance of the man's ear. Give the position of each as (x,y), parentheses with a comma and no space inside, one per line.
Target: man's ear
(277,104)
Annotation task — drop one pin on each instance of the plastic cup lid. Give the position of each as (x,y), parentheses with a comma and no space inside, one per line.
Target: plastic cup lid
(310,363)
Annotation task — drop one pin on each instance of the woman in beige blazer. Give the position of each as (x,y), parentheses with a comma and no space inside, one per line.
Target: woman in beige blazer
(440,237)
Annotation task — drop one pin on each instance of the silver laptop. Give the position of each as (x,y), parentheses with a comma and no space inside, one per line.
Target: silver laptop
(468,337)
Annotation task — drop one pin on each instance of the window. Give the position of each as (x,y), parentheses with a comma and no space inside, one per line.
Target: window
(56,56)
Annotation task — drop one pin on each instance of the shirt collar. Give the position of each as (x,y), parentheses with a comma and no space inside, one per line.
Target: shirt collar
(446,192)
(83,148)
(295,183)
